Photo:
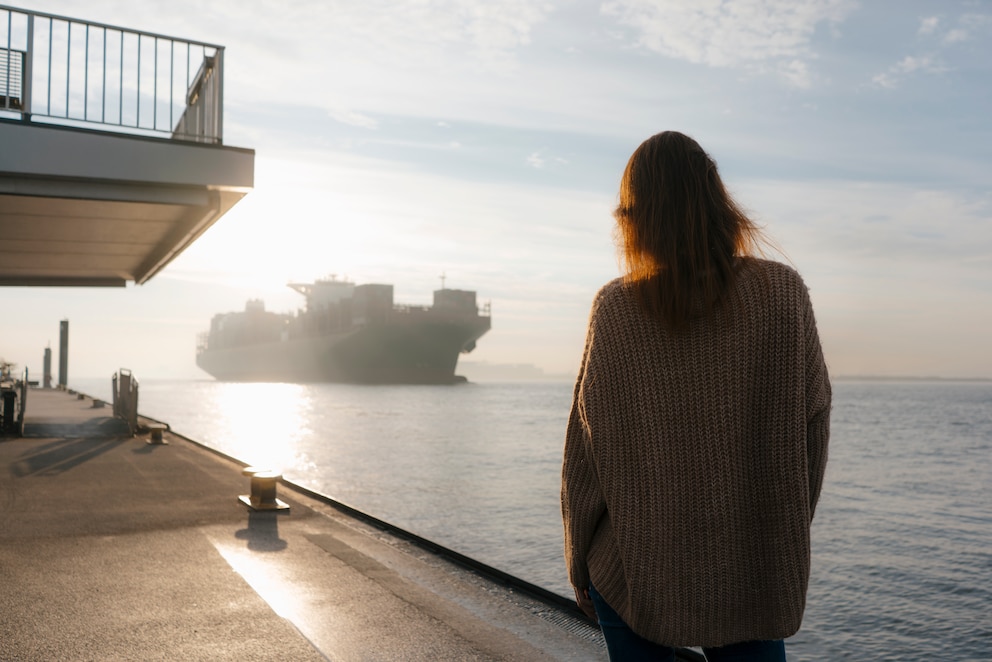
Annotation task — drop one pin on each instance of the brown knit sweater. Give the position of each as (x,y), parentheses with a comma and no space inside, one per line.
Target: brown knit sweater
(693,463)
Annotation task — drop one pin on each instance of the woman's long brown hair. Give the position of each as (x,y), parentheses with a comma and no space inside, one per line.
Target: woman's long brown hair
(680,231)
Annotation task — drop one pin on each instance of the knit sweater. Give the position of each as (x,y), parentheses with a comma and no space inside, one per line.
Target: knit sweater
(693,461)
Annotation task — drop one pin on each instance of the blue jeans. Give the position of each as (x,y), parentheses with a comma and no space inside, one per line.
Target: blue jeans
(624,645)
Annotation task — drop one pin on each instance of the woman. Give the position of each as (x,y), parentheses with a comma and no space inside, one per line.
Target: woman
(697,439)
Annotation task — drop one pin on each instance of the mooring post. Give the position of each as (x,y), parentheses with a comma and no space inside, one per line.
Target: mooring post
(263,490)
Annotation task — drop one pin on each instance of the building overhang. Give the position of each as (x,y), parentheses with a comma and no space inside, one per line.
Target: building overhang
(80,207)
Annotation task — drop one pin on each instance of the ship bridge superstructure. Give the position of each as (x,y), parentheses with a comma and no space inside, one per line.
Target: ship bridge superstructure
(112,154)
(325,292)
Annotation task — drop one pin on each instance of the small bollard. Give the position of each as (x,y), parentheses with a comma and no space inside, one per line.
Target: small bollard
(263,490)
(99,404)
(80,396)
(156,430)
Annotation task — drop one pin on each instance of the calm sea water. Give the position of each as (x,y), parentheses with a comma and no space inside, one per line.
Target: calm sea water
(902,566)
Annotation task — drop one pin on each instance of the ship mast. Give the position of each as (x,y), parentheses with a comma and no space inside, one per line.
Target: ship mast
(442,280)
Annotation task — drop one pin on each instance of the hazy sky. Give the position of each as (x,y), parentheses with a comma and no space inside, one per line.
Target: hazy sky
(484,139)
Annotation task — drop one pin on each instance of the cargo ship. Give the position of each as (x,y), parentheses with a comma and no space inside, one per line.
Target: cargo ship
(346,333)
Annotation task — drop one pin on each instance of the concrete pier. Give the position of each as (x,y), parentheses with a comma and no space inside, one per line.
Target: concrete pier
(115,549)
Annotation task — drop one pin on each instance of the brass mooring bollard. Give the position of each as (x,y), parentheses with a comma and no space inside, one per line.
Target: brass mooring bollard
(156,429)
(263,490)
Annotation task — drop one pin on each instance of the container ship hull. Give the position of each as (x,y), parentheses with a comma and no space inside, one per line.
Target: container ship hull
(347,333)
(423,354)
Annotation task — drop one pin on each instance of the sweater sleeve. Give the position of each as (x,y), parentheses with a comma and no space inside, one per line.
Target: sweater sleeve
(582,502)
(818,402)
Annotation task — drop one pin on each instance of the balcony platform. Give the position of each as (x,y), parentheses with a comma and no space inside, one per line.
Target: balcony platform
(98,208)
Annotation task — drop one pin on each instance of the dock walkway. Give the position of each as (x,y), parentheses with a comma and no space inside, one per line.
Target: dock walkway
(115,549)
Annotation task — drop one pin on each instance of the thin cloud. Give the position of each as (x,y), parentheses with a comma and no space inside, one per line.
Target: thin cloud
(943,38)
(745,33)
(929,24)
(353,118)
(888,224)
(539,160)
(966,28)
(910,64)
(341,50)
(486,31)
(796,73)
(956,36)
(969,27)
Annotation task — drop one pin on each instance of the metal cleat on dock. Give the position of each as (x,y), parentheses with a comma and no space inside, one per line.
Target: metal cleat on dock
(156,430)
(263,490)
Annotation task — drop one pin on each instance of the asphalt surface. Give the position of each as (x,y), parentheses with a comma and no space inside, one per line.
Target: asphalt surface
(115,549)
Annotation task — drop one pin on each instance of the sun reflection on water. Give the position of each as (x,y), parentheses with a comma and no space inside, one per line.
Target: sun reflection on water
(262,424)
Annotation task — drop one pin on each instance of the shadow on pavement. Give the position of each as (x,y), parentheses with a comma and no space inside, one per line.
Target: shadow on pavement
(262,533)
(61,455)
(106,426)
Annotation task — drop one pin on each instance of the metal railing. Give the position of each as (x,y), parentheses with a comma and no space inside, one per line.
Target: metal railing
(125,388)
(80,73)
(22,403)
(13,400)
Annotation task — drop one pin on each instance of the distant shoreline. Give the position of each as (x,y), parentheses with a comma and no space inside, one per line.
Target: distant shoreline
(483,371)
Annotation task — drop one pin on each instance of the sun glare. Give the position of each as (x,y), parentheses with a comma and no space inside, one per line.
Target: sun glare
(293,226)
(263,423)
